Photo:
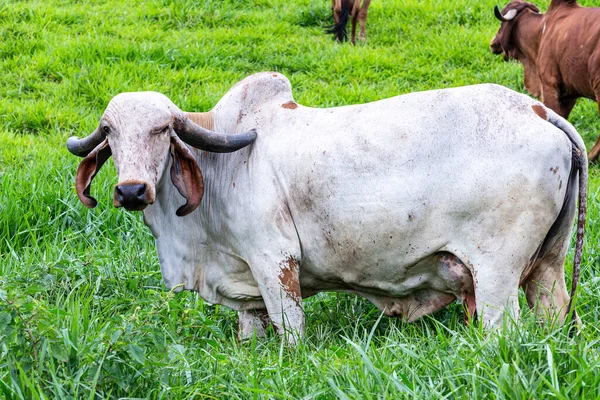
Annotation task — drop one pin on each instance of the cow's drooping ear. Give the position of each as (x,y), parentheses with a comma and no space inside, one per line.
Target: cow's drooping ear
(87,170)
(186,176)
(505,40)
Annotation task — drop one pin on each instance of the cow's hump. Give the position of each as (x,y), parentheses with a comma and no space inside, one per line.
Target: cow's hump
(258,90)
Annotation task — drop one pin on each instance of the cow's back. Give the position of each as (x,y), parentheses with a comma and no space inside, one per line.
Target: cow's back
(570,47)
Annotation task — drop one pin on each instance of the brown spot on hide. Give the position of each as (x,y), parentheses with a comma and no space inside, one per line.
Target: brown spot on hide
(460,280)
(555,170)
(290,105)
(289,278)
(540,111)
(275,75)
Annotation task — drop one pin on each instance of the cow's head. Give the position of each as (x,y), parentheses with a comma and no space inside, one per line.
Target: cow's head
(504,43)
(142,131)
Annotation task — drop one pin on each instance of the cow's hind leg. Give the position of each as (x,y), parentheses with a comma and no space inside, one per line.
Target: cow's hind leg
(546,290)
(496,290)
(499,258)
(545,286)
(595,151)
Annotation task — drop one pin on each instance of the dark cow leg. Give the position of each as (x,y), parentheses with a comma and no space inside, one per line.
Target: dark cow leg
(595,151)
(552,99)
(566,106)
(336,7)
(362,18)
(354,13)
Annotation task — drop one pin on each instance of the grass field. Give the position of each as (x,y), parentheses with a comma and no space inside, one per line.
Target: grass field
(83,311)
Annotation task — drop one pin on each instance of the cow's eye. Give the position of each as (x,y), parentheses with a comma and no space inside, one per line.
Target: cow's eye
(164,129)
(106,129)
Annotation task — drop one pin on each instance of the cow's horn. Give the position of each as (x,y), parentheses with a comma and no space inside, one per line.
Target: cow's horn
(498,14)
(509,15)
(82,147)
(204,139)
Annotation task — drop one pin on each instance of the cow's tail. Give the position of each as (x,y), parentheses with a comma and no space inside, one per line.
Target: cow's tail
(339,30)
(580,166)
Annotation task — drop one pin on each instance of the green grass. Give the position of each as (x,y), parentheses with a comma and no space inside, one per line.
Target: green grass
(83,311)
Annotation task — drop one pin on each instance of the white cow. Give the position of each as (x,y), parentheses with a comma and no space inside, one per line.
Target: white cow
(411,202)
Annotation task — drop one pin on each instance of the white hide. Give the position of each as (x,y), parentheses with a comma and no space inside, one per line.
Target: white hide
(366,198)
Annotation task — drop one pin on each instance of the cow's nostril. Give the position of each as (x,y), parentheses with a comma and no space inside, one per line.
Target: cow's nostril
(119,191)
(141,190)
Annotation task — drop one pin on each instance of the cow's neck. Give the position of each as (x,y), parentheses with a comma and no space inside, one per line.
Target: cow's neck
(204,119)
(528,34)
(187,249)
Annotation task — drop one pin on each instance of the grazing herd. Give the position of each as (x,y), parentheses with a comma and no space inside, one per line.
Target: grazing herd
(411,202)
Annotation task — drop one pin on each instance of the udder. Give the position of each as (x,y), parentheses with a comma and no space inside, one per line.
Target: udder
(449,280)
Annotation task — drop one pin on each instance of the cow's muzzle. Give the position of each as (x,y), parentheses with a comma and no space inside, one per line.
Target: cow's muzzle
(132,195)
(495,46)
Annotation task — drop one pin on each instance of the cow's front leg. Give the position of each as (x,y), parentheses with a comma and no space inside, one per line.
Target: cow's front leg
(552,98)
(362,18)
(252,322)
(595,151)
(279,286)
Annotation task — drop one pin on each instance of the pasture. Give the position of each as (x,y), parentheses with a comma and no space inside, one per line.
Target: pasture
(83,311)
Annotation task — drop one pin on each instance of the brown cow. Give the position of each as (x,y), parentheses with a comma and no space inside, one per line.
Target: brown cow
(559,50)
(342,9)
